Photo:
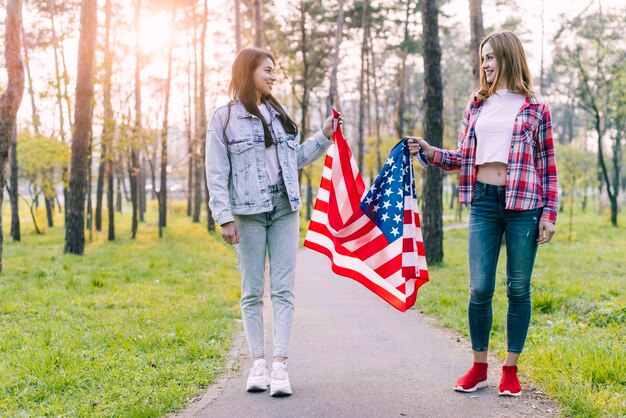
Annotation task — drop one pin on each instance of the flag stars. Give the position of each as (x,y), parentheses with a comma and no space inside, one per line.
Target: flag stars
(384,217)
(388,192)
(368,200)
(386,204)
(397,218)
(389,161)
(390,180)
(395,231)
(375,208)
(400,205)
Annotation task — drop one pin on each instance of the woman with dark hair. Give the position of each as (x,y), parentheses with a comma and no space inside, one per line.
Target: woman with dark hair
(253,155)
(508,174)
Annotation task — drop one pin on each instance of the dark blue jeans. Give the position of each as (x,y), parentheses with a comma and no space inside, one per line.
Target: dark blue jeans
(488,221)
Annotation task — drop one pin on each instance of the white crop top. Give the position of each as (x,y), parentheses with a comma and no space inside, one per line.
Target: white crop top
(494,127)
(272,167)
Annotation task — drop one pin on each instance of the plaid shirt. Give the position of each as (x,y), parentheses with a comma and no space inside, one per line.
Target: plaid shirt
(531,179)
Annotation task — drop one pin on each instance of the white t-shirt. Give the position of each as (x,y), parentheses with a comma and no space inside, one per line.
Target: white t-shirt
(494,127)
(272,167)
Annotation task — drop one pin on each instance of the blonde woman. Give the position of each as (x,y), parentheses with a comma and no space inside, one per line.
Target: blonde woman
(508,175)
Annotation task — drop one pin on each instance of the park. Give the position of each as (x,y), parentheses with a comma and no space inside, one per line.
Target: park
(118,295)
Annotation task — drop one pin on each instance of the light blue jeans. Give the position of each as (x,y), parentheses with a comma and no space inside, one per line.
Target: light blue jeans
(274,234)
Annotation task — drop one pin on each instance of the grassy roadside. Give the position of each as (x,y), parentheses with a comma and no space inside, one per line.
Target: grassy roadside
(576,347)
(129,329)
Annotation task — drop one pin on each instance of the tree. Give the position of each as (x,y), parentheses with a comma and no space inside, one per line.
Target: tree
(407,47)
(44,161)
(363,92)
(133,162)
(12,97)
(478,33)
(332,91)
(12,188)
(237,25)
(259,39)
(163,187)
(75,234)
(108,130)
(576,173)
(433,130)
(591,49)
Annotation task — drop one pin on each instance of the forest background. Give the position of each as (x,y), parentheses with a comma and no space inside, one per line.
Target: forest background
(107,149)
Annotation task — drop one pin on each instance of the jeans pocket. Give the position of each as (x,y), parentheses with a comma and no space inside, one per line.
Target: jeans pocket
(477,193)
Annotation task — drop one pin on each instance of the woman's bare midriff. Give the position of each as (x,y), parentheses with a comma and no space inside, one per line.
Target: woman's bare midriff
(492,173)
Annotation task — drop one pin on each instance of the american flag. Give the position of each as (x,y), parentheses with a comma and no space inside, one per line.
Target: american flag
(372,236)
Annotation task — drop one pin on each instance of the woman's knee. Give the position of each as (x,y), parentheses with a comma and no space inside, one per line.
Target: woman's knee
(481,292)
(518,290)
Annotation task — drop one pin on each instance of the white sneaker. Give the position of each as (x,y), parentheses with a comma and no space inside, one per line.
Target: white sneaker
(259,377)
(279,384)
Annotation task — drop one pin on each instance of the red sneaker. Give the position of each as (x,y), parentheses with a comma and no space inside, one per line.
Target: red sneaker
(474,379)
(509,385)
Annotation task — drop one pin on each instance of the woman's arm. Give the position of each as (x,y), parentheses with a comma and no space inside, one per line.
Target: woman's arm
(545,164)
(217,165)
(313,148)
(446,159)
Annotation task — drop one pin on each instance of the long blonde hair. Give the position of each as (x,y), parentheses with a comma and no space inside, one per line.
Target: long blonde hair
(511,62)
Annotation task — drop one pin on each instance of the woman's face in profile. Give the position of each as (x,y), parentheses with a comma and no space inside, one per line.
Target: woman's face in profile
(264,77)
(490,65)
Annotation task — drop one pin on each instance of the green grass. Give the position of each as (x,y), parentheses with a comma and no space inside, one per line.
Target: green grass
(576,347)
(132,328)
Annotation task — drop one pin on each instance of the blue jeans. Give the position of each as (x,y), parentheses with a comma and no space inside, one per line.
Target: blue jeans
(488,221)
(275,235)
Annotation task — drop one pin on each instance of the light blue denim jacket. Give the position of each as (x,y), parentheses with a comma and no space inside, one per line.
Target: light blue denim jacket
(235,162)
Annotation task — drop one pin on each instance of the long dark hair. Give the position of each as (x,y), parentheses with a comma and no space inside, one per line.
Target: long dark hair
(242,88)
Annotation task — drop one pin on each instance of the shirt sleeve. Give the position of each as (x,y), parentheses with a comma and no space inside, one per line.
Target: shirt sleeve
(218,170)
(545,164)
(450,160)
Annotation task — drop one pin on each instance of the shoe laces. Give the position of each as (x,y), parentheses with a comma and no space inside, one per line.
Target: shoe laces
(259,368)
(279,371)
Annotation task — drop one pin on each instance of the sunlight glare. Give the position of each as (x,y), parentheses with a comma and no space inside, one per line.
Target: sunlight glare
(155,31)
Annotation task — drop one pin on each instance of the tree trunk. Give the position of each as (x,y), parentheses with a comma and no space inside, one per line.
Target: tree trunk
(57,70)
(402,75)
(110,197)
(133,163)
(108,127)
(163,186)
(432,205)
(189,125)
(14,190)
(31,92)
(478,33)
(332,92)
(142,178)
(74,233)
(362,93)
(201,177)
(118,192)
(65,76)
(379,163)
(237,25)
(258,24)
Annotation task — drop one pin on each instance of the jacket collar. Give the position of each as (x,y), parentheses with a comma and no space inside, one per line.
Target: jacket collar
(243,113)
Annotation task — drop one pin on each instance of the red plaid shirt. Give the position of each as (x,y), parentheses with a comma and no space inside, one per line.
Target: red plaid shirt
(531,179)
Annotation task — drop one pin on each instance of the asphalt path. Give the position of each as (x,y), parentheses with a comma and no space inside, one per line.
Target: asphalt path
(353,355)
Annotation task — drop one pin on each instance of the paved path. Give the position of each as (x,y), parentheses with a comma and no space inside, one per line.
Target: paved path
(353,355)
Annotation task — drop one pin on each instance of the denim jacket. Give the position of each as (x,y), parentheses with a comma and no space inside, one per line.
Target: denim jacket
(235,162)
